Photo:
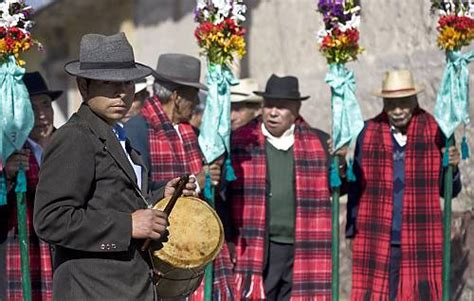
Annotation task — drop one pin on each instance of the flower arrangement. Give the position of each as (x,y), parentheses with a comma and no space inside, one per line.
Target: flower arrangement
(15,25)
(456,23)
(219,33)
(339,40)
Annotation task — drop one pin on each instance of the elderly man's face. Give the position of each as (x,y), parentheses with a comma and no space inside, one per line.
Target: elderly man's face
(243,112)
(43,111)
(400,110)
(186,101)
(110,100)
(279,115)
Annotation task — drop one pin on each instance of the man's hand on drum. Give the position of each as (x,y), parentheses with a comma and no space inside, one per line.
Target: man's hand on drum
(189,189)
(149,224)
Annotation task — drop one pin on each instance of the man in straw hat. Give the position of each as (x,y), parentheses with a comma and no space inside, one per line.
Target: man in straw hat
(245,105)
(29,157)
(281,210)
(93,191)
(394,212)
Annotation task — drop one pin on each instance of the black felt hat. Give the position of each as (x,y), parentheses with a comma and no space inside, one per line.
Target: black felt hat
(36,85)
(285,87)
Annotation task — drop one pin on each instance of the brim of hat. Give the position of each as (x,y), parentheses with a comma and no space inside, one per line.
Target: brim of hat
(237,97)
(399,94)
(117,75)
(178,81)
(53,94)
(265,95)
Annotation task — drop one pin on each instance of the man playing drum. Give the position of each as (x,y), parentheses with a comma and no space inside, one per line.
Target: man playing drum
(94,191)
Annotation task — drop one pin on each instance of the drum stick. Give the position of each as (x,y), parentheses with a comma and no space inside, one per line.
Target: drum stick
(169,207)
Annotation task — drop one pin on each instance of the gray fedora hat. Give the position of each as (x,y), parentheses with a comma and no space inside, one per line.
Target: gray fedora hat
(106,58)
(180,69)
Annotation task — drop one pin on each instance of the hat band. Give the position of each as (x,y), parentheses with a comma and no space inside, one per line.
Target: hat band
(398,90)
(106,65)
(178,78)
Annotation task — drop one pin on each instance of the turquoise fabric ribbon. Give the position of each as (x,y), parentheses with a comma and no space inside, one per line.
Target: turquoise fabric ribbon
(214,135)
(347,121)
(16,114)
(3,189)
(452,101)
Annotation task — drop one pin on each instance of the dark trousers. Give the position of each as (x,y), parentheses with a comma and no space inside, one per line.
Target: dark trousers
(395,257)
(278,273)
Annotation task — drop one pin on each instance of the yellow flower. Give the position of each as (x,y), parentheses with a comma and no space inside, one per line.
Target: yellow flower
(449,38)
(3,46)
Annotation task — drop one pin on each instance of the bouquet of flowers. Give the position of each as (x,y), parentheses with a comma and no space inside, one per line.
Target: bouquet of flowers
(339,40)
(219,33)
(15,24)
(456,23)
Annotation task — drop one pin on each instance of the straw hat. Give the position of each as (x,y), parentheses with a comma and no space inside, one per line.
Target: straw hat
(243,92)
(397,84)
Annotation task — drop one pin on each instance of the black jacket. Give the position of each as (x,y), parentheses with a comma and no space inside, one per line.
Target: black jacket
(85,196)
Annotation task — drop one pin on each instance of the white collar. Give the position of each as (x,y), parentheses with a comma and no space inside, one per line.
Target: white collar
(284,142)
(399,136)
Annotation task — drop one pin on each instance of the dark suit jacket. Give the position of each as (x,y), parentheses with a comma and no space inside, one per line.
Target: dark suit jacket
(85,196)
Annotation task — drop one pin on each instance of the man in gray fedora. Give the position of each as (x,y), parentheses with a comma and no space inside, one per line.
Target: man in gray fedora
(94,192)
(163,134)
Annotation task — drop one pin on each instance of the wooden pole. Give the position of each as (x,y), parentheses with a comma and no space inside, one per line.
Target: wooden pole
(448,193)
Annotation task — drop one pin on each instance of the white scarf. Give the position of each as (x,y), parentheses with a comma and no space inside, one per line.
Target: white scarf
(284,142)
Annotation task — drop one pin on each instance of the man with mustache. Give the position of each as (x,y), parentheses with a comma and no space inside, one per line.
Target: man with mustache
(94,196)
(281,210)
(29,158)
(394,214)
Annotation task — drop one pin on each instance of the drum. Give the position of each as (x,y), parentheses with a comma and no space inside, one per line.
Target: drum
(196,236)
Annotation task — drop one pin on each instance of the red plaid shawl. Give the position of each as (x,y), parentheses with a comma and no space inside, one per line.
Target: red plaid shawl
(39,252)
(170,157)
(312,264)
(421,234)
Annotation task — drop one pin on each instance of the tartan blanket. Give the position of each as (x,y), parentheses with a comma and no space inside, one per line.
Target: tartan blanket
(312,263)
(421,233)
(172,156)
(40,255)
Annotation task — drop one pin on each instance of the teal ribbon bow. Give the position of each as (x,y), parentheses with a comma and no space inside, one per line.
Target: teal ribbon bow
(452,101)
(16,114)
(347,121)
(214,135)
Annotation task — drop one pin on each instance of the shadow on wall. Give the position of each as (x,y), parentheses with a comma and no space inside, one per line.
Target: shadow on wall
(154,12)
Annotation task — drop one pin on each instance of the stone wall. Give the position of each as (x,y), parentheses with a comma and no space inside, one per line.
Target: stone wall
(281,39)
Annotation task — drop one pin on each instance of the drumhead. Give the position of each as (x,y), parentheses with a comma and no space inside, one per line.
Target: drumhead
(196,234)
